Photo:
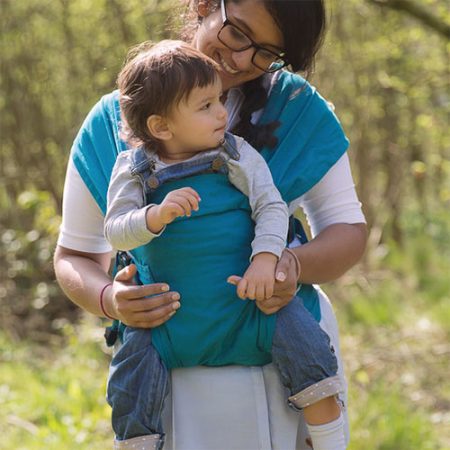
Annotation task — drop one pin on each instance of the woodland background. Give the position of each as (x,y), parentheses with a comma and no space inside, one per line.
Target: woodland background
(384,65)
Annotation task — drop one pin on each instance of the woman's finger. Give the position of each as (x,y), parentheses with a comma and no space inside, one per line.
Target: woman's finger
(150,318)
(154,302)
(133,292)
(272,305)
(153,323)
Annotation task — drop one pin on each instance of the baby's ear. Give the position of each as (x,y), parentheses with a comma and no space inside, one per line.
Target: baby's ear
(158,128)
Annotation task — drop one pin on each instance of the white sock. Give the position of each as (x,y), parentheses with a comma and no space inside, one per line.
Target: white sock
(329,436)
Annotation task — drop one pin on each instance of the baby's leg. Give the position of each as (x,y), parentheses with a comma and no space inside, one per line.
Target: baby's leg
(307,364)
(137,387)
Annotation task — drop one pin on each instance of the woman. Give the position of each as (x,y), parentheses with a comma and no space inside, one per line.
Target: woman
(231,407)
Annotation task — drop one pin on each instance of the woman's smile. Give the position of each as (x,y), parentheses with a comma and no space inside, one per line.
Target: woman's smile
(225,66)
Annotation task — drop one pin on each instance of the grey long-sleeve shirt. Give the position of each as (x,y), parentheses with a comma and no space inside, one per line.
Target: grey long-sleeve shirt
(125,222)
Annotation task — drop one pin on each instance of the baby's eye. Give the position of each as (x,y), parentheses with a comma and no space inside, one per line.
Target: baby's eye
(206,106)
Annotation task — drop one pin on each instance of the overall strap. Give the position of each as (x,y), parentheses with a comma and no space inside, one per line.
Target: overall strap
(230,146)
(141,165)
(212,161)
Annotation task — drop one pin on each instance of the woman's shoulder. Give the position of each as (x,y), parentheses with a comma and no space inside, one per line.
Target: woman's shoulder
(292,95)
(294,86)
(102,124)
(106,106)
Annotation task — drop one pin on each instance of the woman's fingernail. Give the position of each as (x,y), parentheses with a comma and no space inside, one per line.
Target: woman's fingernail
(281,276)
(176,305)
(165,288)
(172,313)
(175,296)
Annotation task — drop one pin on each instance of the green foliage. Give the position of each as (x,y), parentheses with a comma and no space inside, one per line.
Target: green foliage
(58,58)
(386,72)
(398,425)
(53,397)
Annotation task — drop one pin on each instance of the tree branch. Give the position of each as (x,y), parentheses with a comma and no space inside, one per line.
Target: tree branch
(418,11)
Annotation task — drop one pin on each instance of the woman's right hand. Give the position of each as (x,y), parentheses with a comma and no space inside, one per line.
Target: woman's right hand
(140,306)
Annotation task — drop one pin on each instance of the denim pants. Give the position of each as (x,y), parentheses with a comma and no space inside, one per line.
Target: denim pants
(302,353)
(138,380)
(137,386)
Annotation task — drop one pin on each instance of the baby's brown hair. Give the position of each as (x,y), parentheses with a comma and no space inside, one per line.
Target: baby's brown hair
(154,80)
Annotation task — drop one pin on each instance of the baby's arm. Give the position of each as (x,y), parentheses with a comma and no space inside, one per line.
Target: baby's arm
(177,203)
(252,176)
(129,222)
(125,224)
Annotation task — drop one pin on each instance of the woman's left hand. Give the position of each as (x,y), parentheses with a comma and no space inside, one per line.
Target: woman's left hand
(287,273)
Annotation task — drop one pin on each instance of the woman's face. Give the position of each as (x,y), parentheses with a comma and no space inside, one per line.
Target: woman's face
(250,16)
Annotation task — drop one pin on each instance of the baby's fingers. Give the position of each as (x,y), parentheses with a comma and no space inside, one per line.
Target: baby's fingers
(260,291)
(234,279)
(193,200)
(269,290)
(251,290)
(192,192)
(191,196)
(242,289)
(174,209)
(181,199)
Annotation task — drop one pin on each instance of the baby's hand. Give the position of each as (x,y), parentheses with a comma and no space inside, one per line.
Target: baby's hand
(176,203)
(258,280)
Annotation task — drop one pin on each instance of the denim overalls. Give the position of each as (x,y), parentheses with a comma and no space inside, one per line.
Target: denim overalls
(138,381)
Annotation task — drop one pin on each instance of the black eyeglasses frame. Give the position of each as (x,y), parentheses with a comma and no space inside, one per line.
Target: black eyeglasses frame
(226,22)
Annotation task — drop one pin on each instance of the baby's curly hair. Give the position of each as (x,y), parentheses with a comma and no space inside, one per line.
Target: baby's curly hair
(154,80)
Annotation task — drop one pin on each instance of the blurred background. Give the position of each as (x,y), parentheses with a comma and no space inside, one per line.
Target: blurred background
(385,67)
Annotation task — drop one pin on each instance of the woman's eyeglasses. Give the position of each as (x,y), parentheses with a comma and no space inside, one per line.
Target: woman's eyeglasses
(235,39)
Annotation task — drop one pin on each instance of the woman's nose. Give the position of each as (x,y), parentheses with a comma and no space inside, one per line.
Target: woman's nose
(243,60)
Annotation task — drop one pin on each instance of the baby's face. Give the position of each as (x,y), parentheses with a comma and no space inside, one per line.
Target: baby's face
(199,121)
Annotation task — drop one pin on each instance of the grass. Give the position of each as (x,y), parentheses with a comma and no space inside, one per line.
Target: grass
(394,322)
(53,398)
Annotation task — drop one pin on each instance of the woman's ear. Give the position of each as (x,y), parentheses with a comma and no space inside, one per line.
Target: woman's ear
(203,8)
(158,128)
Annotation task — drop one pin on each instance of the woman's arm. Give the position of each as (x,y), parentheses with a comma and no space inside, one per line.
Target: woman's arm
(339,231)
(337,224)
(331,253)
(82,276)
(82,260)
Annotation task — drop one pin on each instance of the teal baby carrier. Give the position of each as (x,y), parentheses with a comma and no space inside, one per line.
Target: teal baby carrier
(195,255)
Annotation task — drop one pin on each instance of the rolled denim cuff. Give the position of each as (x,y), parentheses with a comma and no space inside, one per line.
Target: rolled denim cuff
(149,442)
(326,388)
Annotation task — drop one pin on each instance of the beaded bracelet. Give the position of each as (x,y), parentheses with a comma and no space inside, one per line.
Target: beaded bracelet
(102,306)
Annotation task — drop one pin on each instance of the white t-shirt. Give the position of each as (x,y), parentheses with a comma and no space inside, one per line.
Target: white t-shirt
(235,407)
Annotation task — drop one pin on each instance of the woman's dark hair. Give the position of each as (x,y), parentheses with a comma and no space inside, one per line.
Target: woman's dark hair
(303,24)
(154,80)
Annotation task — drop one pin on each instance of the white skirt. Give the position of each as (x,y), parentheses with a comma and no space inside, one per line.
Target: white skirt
(239,408)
